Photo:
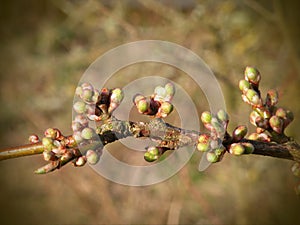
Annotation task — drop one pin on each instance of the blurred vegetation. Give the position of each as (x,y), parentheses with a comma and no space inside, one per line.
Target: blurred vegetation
(46,47)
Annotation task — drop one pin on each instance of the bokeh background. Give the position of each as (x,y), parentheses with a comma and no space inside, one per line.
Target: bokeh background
(45,47)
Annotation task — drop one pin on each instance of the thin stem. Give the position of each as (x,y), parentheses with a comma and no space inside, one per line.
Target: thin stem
(20,151)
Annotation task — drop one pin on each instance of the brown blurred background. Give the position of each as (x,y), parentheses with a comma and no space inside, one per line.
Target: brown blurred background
(45,47)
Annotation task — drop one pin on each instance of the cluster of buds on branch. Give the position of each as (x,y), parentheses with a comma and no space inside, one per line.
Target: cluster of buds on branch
(270,120)
(158,104)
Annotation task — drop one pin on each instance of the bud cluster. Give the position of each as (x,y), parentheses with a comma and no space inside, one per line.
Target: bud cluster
(268,118)
(158,104)
(212,143)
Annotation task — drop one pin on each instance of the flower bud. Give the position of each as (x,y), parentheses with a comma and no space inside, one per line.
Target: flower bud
(244,85)
(280,112)
(47,143)
(276,123)
(87,133)
(152,154)
(249,148)
(212,157)
(253,97)
(252,75)
(259,137)
(223,116)
(77,137)
(160,92)
(165,109)
(170,89)
(262,123)
(80,161)
(220,151)
(236,149)
(87,95)
(142,105)
(239,133)
(272,97)
(51,133)
(92,157)
(137,98)
(33,139)
(206,117)
(203,142)
(117,95)
(217,126)
(79,107)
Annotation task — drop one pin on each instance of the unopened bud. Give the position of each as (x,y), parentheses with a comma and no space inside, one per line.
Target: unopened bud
(87,133)
(117,95)
(249,148)
(212,157)
(80,161)
(203,142)
(252,75)
(47,143)
(223,116)
(160,92)
(236,149)
(87,95)
(244,85)
(49,155)
(276,123)
(253,97)
(170,89)
(137,98)
(152,154)
(206,117)
(166,108)
(33,139)
(79,107)
(92,157)
(142,105)
(239,133)
(50,133)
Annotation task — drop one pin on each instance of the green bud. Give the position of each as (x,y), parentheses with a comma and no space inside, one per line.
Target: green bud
(170,89)
(206,117)
(244,85)
(253,97)
(222,115)
(47,143)
(220,151)
(276,123)
(212,157)
(166,108)
(142,105)
(160,91)
(87,86)
(203,147)
(239,132)
(252,75)
(204,138)
(87,95)
(92,157)
(152,154)
(77,137)
(259,137)
(253,117)
(296,169)
(137,98)
(51,133)
(236,149)
(280,112)
(79,107)
(82,120)
(272,97)
(249,148)
(87,133)
(117,95)
(217,126)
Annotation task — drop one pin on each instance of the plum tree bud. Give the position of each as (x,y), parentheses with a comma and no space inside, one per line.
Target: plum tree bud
(239,133)
(236,149)
(152,154)
(79,107)
(92,157)
(206,117)
(244,85)
(170,89)
(272,97)
(223,116)
(277,124)
(253,97)
(252,75)
(87,133)
(212,157)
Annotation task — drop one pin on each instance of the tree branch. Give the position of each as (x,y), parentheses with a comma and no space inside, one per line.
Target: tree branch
(168,137)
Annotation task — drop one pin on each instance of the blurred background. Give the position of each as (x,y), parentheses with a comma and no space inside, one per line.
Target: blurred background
(45,47)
